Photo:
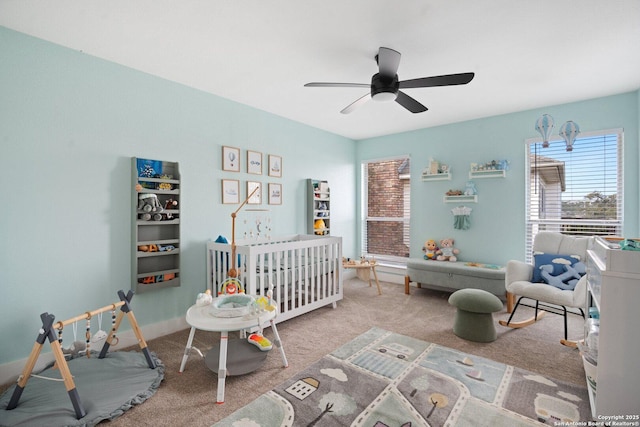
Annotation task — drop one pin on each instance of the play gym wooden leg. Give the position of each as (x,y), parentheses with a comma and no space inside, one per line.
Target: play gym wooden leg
(187,349)
(222,366)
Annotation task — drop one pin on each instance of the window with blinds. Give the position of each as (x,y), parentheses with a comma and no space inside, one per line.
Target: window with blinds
(576,192)
(385,205)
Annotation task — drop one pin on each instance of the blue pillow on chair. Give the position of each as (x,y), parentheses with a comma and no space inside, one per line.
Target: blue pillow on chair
(556,260)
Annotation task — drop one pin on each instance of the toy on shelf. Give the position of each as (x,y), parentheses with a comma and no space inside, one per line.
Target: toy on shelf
(319,227)
(164,186)
(447,252)
(430,249)
(489,166)
(150,207)
(168,205)
(470,189)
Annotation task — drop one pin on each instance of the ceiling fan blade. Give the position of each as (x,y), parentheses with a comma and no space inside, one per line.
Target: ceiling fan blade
(357,103)
(409,103)
(319,84)
(388,61)
(446,80)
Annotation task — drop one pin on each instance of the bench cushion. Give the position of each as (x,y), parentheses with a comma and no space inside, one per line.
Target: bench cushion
(447,275)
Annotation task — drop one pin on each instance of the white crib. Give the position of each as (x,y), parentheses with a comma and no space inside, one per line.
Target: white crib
(304,271)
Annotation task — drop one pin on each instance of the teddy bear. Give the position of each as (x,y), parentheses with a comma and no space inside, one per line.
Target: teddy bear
(430,248)
(447,252)
(150,205)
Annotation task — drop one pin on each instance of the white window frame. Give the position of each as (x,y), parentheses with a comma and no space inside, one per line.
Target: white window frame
(533,225)
(365,218)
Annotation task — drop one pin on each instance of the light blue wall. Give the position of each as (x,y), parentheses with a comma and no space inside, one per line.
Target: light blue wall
(497,233)
(69,125)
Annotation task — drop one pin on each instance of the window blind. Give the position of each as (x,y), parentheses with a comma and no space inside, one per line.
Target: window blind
(578,192)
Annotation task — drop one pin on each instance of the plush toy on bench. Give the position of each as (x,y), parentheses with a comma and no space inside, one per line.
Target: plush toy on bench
(430,249)
(447,252)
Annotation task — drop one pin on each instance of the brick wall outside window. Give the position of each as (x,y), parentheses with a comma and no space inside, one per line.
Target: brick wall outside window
(386,199)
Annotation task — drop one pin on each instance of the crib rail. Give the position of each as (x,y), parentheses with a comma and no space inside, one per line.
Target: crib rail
(304,271)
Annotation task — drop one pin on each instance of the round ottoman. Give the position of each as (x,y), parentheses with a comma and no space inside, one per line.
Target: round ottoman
(473,320)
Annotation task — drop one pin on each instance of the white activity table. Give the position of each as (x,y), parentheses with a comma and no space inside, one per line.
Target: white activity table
(202,318)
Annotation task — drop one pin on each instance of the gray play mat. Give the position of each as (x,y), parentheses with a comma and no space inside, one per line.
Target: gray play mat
(107,388)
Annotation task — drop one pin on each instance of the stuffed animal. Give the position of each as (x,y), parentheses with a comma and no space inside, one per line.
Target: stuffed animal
(447,252)
(170,204)
(567,280)
(204,298)
(76,348)
(150,207)
(430,249)
(470,189)
(319,227)
(323,209)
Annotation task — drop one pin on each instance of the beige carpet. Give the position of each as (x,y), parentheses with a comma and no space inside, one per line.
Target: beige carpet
(188,399)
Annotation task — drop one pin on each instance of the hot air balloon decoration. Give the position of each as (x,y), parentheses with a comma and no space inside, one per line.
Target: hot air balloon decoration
(544,125)
(569,131)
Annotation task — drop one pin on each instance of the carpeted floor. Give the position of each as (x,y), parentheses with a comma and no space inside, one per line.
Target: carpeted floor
(382,378)
(189,398)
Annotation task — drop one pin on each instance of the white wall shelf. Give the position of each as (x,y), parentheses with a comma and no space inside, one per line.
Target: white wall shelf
(444,176)
(490,173)
(463,198)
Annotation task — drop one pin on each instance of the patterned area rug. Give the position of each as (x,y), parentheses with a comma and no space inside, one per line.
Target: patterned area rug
(385,379)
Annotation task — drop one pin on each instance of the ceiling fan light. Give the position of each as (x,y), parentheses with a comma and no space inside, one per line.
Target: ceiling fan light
(385,96)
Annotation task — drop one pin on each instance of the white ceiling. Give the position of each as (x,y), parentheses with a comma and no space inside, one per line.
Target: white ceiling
(526,54)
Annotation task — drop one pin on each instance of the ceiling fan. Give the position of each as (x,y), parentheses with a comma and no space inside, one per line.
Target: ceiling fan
(386,87)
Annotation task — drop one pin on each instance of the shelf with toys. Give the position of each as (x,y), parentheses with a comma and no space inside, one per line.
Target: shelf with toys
(436,171)
(155,225)
(461,198)
(319,207)
(492,169)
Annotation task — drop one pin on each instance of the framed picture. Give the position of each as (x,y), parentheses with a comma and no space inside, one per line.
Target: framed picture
(275,194)
(275,165)
(230,159)
(230,191)
(254,162)
(256,198)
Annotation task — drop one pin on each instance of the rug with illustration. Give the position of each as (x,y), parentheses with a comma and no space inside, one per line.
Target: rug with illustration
(383,379)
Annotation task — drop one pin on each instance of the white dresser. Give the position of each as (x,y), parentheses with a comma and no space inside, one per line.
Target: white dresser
(614,288)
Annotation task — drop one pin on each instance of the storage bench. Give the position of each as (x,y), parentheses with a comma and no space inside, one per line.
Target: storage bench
(451,276)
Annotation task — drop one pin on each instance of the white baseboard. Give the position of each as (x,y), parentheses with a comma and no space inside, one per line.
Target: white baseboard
(9,372)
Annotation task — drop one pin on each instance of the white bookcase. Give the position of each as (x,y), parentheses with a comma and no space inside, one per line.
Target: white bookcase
(614,288)
(319,207)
